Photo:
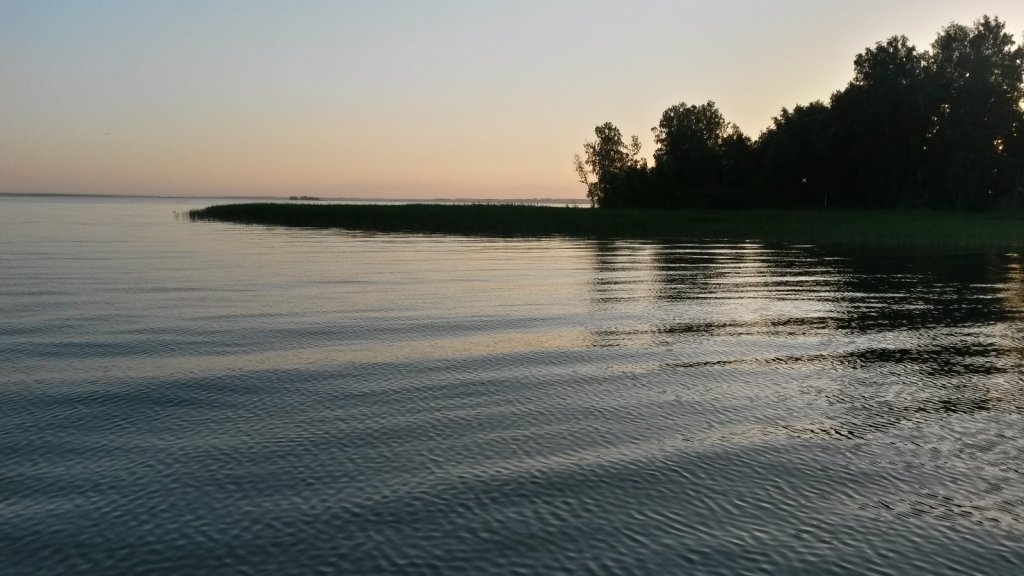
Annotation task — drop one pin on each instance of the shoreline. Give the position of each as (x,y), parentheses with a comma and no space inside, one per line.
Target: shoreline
(860,227)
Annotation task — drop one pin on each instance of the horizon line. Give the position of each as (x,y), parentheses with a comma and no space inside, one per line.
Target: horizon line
(294,197)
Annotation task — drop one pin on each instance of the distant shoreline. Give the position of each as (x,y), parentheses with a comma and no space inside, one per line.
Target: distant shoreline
(439,200)
(862,227)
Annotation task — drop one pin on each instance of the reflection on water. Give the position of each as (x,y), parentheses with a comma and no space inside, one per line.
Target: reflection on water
(182,398)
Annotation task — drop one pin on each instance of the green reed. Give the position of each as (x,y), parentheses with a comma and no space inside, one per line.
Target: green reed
(875,227)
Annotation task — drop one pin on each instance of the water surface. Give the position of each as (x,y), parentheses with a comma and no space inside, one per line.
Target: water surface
(181,398)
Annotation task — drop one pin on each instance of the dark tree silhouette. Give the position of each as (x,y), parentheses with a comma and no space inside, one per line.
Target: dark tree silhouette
(739,165)
(881,121)
(797,156)
(688,160)
(941,129)
(613,172)
(976,81)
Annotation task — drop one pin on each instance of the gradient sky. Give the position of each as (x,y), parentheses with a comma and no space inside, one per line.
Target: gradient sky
(389,98)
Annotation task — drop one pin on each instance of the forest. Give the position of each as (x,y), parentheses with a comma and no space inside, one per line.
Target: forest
(941,128)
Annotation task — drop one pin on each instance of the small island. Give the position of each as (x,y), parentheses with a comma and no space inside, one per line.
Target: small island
(921,147)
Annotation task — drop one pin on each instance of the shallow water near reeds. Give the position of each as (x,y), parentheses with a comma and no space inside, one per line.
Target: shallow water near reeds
(186,398)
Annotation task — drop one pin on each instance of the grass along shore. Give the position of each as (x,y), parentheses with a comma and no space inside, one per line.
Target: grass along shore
(873,227)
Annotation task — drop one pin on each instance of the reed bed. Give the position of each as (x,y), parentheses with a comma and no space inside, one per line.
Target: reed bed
(875,227)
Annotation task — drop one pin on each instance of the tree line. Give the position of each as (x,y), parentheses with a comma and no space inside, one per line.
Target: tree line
(939,128)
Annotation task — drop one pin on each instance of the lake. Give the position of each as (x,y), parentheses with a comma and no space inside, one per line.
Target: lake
(185,398)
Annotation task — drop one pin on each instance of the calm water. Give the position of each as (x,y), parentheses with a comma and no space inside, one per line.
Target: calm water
(184,398)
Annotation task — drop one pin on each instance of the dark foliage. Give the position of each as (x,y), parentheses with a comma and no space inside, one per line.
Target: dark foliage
(942,128)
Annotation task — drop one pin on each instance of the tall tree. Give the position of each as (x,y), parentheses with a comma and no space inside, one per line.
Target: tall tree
(613,172)
(881,120)
(976,79)
(689,153)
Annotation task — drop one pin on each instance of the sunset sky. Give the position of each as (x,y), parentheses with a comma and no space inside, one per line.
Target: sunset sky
(410,99)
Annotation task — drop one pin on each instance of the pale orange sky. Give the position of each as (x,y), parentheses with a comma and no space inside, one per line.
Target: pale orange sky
(400,99)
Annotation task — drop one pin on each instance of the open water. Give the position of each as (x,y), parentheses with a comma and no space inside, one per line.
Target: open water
(204,398)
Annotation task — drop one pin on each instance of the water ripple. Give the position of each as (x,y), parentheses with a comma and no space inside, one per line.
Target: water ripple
(203,398)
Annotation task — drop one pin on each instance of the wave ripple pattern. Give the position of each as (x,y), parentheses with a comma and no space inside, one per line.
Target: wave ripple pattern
(180,398)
